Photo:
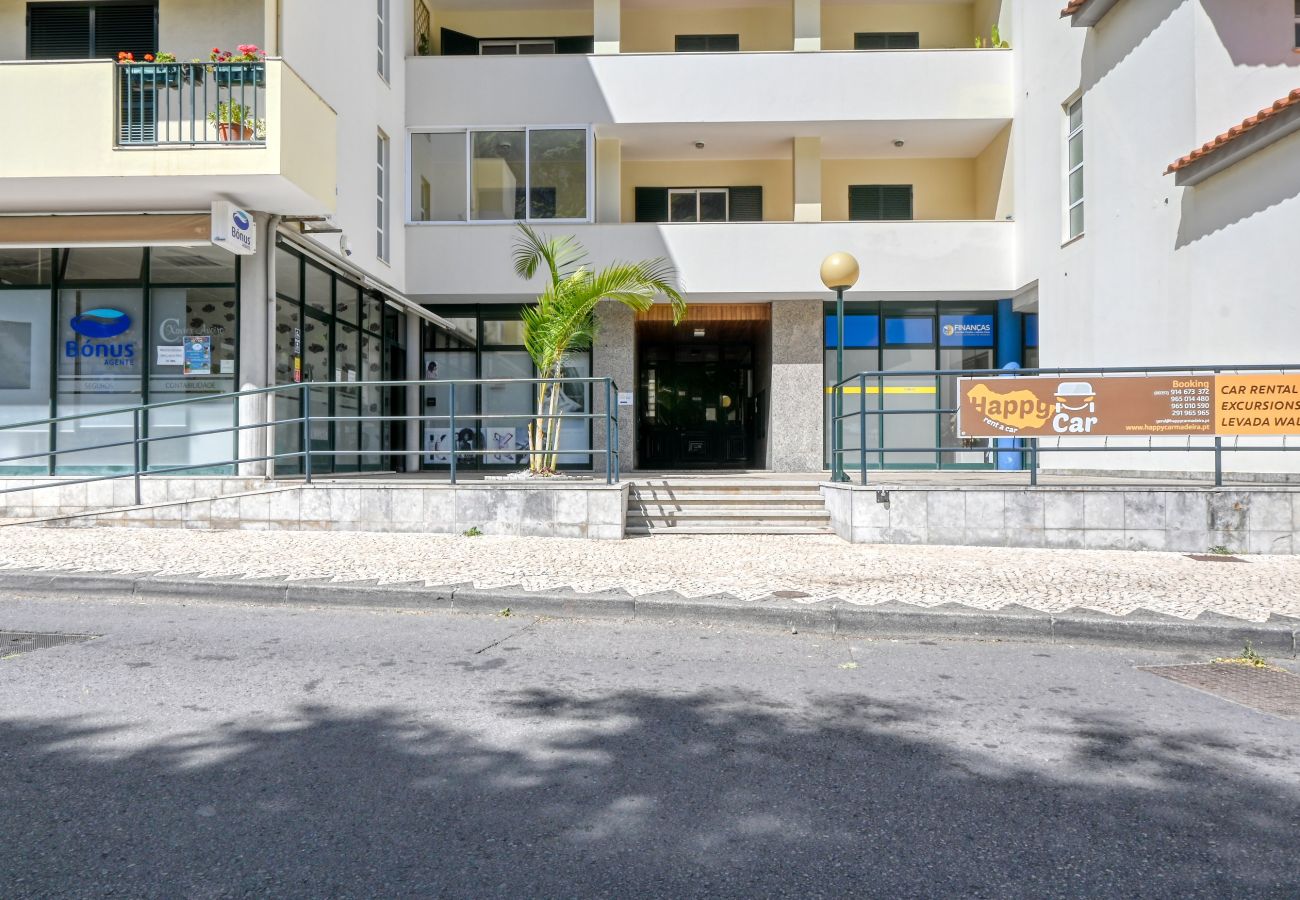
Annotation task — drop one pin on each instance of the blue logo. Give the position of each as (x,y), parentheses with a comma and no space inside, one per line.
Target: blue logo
(101,323)
(241,220)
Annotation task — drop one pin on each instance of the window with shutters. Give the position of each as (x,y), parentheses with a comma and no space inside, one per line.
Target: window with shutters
(91,30)
(1074,169)
(699,204)
(887,40)
(708,43)
(880,202)
(520,47)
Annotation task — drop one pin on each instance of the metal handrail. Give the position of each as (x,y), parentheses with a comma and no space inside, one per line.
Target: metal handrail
(140,439)
(181,103)
(1028,447)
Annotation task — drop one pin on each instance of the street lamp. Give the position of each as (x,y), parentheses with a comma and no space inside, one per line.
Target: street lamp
(839,274)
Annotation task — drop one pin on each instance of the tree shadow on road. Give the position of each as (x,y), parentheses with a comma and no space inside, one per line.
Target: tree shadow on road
(634,792)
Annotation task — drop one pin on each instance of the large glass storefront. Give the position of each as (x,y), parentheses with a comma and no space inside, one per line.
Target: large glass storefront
(488,342)
(84,330)
(910,337)
(329,329)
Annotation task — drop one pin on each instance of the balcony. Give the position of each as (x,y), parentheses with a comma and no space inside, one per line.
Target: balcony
(769,259)
(98,137)
(704,88)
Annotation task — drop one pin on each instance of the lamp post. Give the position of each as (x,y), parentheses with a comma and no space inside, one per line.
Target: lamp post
(839,274)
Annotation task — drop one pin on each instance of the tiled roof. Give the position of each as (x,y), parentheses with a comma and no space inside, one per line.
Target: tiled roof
(1073,7)
(1236,131)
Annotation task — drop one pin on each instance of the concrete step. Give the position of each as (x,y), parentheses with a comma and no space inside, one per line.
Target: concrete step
(730,512)
(752,498)
(637,530)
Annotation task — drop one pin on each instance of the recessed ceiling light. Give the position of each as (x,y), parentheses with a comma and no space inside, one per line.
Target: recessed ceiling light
(699,145)
(899,142)
(699,332)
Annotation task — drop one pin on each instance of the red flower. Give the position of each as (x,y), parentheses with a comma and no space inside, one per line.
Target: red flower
(148,57)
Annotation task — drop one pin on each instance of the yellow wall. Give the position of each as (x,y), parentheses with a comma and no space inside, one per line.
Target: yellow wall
(941,25)
(987,13)
(776,176)
(942,188)
(993,181)
(511,23)
(654,30)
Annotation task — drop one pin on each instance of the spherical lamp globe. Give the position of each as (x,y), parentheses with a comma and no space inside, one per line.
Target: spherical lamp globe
(840,271)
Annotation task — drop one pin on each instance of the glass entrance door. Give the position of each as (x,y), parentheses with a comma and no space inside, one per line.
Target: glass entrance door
(696,407)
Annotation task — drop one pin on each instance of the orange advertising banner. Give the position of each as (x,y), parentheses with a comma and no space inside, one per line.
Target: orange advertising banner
(1129,406)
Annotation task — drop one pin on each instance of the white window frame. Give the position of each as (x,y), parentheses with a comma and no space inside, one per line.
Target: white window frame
(469,132)
(381,16)
(1071,206)
(382,184)
(517,44)
(698,192)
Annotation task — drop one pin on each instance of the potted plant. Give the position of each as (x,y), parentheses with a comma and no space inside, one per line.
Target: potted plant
(243,67)
(235,123)
(153,71)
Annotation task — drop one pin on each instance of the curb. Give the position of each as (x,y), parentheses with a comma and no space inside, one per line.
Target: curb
(1280,636)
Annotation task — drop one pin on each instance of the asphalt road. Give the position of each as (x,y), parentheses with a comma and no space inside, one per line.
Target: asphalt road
(227,751)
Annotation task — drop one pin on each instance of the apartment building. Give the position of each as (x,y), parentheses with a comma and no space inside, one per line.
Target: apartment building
(987,162)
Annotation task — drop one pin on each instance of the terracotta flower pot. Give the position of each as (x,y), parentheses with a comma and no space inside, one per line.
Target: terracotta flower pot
(235,131)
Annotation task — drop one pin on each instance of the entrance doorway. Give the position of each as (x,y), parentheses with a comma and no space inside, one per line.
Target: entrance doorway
(702,387)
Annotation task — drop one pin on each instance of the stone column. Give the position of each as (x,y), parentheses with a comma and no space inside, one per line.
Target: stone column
(256,351)
(414,371)
(608,27)
(807,179)
(609,180)
(795,424)
(614,356)
(807,24)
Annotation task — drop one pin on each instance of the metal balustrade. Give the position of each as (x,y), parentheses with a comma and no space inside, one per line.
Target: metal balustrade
(141,439)
(1029,450)
(191,103)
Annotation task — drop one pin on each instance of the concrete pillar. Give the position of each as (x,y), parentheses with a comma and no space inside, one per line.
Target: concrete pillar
(807,24)
(414,371)
(795,425)
(614,356)
(609,180)
(257,351)
(608,25)
(807,179)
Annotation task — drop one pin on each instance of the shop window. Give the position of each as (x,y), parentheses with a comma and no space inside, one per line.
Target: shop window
(909,331)
(25,267)
(191,265)
(104,264)
(24,372)
(319,292)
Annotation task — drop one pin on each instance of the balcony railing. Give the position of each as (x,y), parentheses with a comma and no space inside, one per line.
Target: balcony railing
(191,103)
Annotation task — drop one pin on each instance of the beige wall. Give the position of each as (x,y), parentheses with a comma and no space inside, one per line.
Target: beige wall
(511,23)
(654,30)
(943,189)
(994,197)
(776,176)
(941,25)
(188,28)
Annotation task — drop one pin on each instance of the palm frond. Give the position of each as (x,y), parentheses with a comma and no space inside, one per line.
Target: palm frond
(561,255)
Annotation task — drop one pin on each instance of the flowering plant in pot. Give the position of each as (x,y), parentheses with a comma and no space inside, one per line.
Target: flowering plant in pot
(154,70)
(240,67)
(234,122)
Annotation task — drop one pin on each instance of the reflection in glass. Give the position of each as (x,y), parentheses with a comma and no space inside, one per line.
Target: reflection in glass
(499,175)
(438,177)
(557,162)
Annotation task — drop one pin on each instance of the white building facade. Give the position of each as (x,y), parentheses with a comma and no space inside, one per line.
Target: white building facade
(999,169)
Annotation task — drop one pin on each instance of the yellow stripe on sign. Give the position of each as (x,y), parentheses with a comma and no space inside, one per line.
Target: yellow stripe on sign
(889,390)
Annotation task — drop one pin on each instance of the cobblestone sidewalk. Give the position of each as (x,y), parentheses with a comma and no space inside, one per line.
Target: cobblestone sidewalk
(748,567)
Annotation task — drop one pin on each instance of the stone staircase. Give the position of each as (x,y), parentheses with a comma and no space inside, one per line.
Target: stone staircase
(726,506)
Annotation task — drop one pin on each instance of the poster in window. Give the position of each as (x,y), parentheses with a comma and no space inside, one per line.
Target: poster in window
(505,445)
(15,356)
(198,354)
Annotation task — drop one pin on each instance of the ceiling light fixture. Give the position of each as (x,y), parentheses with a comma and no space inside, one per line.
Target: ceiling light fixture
(899,142)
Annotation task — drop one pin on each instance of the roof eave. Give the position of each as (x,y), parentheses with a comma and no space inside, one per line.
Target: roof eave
(1284,123)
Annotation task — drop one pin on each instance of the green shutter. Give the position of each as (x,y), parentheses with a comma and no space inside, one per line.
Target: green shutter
(707,43)
(131,28)
(887,40)
(651,204)
(58,32)
(454,43)
(746,204)
(880,202)
(580,44)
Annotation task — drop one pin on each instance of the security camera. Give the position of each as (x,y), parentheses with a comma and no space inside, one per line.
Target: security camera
(345,247)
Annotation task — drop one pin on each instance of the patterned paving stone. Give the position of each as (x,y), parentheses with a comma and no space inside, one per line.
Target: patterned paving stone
(748,567)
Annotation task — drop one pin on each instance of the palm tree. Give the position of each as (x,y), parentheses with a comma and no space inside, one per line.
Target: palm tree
(564,318)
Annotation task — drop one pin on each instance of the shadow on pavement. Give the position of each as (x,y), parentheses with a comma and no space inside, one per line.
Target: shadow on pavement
(634,793)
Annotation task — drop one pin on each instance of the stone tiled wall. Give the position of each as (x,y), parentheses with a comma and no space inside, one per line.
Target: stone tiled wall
(55,498)
(578,511)
(1186,520)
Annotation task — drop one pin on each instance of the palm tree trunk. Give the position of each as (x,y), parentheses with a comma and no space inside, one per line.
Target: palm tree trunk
(537,433)
(553,438)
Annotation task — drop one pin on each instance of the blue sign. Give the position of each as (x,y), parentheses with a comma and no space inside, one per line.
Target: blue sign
(859,331)
(965,331)
(1031,329)
(101,323)
(909,330)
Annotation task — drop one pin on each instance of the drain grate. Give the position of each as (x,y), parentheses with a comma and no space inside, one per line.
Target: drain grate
(1271,691)
(13,643)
